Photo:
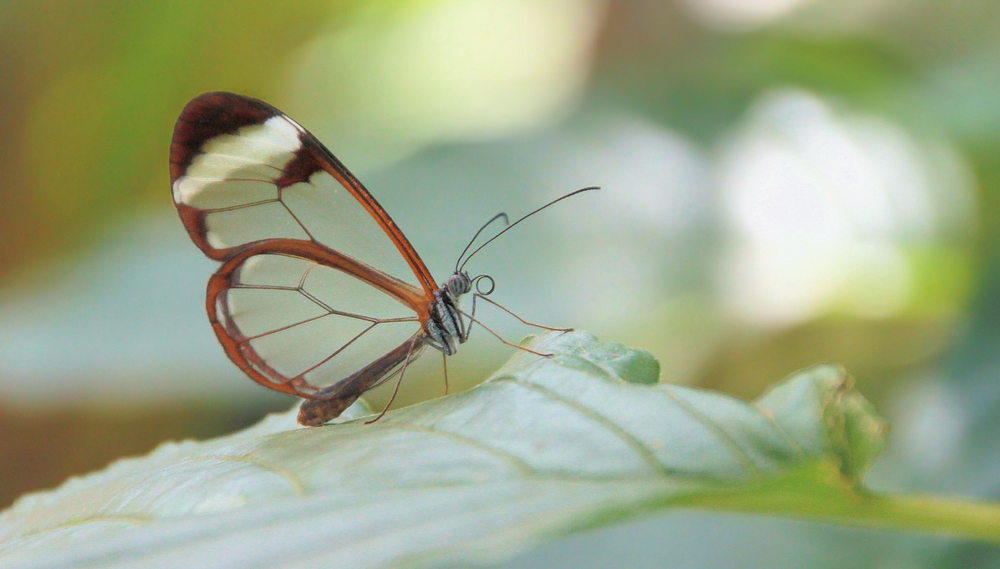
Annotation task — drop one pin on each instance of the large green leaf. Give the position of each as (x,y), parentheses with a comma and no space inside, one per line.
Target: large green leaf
(543,448)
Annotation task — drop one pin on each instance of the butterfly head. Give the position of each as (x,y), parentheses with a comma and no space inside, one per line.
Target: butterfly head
(459,283)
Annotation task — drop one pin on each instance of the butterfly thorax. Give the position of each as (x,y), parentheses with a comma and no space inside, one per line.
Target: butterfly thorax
(445,327)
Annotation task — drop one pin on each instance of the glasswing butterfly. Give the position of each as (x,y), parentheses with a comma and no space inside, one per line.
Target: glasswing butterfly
(308,289)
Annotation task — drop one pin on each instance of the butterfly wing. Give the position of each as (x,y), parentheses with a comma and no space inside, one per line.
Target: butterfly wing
(305,296)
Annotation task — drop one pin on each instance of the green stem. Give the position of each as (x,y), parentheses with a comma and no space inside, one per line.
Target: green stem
(837,501)
(978,521)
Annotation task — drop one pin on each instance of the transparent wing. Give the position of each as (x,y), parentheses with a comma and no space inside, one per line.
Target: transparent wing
(299,325)
(242,173)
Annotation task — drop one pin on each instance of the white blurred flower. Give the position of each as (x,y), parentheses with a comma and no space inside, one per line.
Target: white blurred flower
(811,16)
(820,206)
(740,14)
(655,189)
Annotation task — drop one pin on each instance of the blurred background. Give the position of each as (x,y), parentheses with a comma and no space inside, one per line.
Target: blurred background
(786,182)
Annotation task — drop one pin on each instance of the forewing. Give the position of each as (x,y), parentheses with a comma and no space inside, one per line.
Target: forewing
(306,325)
(242,173)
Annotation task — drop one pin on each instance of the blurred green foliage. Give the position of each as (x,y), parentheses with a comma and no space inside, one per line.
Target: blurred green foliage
(90,91)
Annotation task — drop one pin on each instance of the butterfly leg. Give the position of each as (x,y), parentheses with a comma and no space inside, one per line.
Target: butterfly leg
(508,311)
(395,391)
(498,337)
(472,319)
(444,362)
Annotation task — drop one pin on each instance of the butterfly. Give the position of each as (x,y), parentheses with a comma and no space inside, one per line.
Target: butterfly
(309,286)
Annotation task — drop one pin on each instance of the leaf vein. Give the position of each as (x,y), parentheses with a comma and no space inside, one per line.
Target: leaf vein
(721,433)
(521,466)
(298,487)
(634,443)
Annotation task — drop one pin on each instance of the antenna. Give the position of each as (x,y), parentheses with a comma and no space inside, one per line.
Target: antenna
(473,240)
(509,227)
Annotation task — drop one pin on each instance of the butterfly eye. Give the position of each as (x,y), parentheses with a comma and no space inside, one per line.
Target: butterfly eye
(459,284)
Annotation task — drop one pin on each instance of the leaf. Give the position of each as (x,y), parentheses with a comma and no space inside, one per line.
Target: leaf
(543,448)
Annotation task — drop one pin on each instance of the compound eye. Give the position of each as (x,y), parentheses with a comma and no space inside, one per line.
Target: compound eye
(459,284)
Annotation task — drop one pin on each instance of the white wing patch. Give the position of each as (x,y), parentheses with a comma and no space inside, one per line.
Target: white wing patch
(256,153)
(272,142)
(226,165)
(223,193)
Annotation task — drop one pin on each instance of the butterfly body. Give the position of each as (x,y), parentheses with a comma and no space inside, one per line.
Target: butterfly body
(445,328)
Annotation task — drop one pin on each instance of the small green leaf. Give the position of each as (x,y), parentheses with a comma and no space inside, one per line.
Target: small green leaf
(545,447)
